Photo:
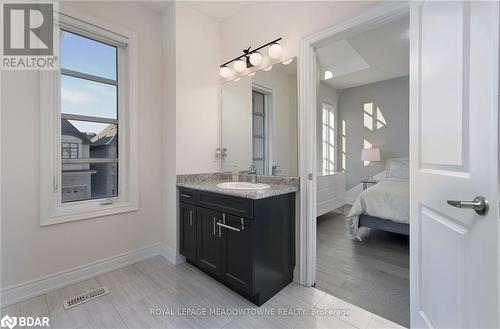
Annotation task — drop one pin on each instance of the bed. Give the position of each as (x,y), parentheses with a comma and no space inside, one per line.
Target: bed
(385,205)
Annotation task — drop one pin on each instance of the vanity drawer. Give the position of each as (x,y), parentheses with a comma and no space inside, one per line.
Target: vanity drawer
(228,204)
(187,195)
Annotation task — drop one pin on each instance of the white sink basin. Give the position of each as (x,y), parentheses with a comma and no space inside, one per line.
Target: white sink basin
(243,186)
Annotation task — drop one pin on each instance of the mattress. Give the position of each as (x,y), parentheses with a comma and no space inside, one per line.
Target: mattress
(389,199)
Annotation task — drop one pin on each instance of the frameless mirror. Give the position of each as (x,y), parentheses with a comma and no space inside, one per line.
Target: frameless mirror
(259,121)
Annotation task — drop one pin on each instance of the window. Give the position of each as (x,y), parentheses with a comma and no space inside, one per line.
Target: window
(89,114)
(328,138)
(69,150)
(88,161)
(259,131)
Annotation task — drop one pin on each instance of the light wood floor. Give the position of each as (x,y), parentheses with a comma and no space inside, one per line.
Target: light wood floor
(155,283)
(372,274)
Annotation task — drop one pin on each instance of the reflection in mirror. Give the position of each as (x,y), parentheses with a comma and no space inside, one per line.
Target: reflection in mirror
(259,121)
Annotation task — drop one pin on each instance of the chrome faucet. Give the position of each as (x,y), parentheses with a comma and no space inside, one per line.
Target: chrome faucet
(253,171)
(275,170)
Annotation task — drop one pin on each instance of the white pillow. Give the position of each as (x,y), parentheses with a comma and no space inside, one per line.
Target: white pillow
(398,168)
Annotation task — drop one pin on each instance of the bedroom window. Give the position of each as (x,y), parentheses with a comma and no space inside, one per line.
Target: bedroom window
(328,138)
(88,161)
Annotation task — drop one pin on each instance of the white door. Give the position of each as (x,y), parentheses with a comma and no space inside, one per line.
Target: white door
(454,156)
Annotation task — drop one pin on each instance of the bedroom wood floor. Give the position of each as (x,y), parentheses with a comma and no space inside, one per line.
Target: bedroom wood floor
(372,274)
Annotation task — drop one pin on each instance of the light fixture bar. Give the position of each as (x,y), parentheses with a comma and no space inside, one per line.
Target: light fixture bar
(248,52)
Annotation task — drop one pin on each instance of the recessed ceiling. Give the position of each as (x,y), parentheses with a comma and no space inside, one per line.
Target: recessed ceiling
(217,10)
(378,54)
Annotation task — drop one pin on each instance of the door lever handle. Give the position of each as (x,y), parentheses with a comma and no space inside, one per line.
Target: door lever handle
(479,205)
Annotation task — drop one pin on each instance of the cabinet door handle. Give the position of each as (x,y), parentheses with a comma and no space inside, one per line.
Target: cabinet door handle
(228,227)
(185,195)
(190,218)
(214,226)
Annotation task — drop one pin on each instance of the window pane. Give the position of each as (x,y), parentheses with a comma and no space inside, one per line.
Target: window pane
(91,181)
(90,139)
(258,125)
(258,102)
(258,148)
(85,97)
(88,56)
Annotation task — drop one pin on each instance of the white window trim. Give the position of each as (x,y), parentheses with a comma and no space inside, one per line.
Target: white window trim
(326,102)
(52,210)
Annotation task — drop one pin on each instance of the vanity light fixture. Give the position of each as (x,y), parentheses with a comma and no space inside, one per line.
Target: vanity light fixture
(255,58)
(225,72)
(275,51)
(328,75)
(268,68)
(239,66)
(251,57)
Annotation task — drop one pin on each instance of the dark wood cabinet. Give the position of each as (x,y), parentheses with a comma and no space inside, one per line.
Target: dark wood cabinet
(188,231)
(247,244)
(209,240)
(237,253)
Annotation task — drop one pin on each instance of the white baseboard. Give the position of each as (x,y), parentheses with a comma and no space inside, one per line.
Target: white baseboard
(296,275)
(17,293)
(171,255)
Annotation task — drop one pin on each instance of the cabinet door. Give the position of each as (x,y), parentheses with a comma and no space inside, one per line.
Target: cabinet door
(237,256)
(188,231)
(209,240)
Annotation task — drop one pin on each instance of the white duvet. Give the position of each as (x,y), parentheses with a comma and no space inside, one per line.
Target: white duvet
(389,199)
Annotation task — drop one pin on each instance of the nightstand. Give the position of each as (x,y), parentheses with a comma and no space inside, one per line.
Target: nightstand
(368,182)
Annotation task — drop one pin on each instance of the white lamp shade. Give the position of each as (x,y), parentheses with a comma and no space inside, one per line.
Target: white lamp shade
(255,59)
(239,66)
(225,72)
(370,154)
(275,51)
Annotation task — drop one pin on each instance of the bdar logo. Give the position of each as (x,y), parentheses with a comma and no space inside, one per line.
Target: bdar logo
(8,322)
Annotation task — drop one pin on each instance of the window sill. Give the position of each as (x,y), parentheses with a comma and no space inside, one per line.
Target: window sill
(60,215)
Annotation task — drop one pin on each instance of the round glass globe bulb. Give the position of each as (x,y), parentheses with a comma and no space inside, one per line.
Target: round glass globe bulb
(275,51)
(225,72)
(239,66)
(255,59)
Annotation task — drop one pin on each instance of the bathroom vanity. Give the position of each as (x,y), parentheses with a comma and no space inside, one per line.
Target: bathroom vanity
(244,239)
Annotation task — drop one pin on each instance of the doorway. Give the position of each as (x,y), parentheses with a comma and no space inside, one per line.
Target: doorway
(463,54)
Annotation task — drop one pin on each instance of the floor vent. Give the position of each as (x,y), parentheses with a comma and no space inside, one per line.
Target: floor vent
(83,298)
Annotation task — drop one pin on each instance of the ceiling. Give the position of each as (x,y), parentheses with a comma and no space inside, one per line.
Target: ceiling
(378,54)
(217,10)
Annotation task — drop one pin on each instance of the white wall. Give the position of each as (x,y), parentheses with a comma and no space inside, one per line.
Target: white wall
(391,97)
(169,127)
(260,22)
(197,90)
(29,251)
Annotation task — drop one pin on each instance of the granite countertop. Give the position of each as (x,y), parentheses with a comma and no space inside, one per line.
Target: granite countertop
(208,182)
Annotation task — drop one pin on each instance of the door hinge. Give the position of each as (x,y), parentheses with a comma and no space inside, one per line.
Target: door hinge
(310,176)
